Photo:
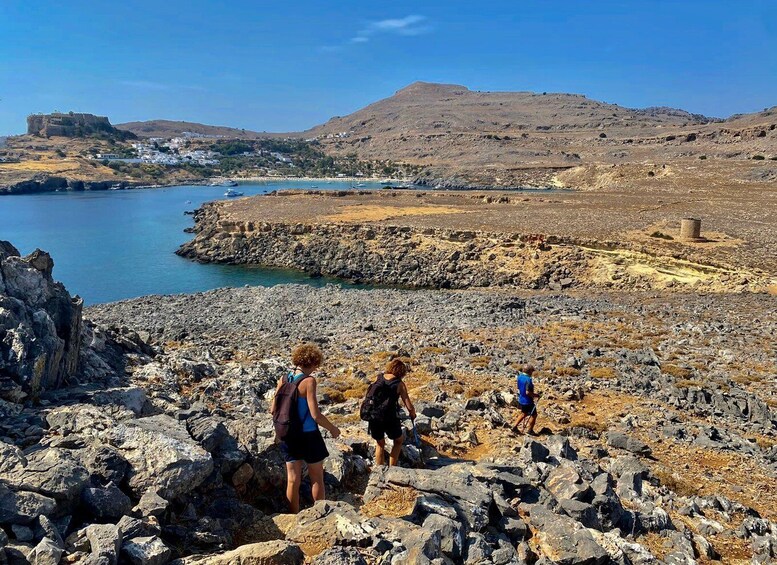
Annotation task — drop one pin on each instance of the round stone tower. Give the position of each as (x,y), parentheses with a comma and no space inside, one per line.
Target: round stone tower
(690,228)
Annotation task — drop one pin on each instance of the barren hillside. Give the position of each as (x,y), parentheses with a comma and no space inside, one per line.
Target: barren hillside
(467,137)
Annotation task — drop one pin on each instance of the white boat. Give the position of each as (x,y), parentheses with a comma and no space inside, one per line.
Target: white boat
(224,183)
(360,185)
(232,193)
(313,186)
(115,187)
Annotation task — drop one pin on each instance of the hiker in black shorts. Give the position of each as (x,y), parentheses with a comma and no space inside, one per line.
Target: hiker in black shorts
(387,391)
(306,444)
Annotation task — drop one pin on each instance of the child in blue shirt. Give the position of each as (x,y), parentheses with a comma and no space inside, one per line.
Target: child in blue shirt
(526,399)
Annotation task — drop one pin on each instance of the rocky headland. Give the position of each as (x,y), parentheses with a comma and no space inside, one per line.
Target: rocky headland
(478,240)
(73,124)
(140,433)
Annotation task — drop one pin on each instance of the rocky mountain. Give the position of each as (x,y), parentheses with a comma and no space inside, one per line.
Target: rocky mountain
(451,108)
(170,128)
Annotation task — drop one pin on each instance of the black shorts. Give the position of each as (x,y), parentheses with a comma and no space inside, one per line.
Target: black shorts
(308,447)
(386,428)
(528,409)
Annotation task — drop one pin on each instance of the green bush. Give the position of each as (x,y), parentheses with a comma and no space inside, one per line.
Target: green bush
(758,157)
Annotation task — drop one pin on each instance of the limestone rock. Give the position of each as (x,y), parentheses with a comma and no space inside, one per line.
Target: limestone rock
(40,321)
(145,551)
(565,541)
(151,504)
(106,503)
(104,542)
(54,473)
(564,482)
(277,552)
(23,507)
(456,484)
(339,556)
(623,441)
(47,552)
(160,454)
(105,464)
(327,524)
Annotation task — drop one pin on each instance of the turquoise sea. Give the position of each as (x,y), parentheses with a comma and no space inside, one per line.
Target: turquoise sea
(118,244)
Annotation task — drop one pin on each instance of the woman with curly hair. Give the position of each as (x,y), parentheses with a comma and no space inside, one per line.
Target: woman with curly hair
(308,445)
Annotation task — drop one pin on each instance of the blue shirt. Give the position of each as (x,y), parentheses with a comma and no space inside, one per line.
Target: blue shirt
(525,386)
(308,423)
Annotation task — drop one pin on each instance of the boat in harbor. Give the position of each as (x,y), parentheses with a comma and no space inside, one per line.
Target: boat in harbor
(224,183)
(231,193)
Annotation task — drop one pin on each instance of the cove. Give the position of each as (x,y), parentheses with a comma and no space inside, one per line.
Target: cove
(119,244)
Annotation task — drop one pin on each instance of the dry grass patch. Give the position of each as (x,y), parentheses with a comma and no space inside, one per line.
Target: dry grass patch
(482,361)
(603,373)
(391,503)
(680,373)
(689,383)
(376,213)
(435,350)
(673,481)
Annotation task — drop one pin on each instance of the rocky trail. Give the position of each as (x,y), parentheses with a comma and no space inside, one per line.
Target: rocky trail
(140,434)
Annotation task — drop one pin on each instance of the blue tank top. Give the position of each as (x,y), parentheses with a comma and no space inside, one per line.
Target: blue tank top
(308,423)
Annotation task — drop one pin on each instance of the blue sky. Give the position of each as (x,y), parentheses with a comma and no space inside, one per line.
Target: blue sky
(284,66)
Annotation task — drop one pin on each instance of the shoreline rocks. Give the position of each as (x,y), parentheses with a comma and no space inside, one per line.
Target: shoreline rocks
(407,256)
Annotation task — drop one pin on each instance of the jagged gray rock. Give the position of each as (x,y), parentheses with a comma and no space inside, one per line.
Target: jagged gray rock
(161,454)
(104,544)
(40,321)
(145,551)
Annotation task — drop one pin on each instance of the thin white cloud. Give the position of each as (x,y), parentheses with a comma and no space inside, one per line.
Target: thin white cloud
(409,25)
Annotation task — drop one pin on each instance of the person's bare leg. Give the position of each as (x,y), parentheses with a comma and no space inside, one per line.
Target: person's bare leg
(293,480)
(532,420)
(380,453)
(517,422)
(396,449)
(316,474)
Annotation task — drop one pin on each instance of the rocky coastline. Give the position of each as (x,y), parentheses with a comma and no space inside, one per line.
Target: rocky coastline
(433,257)
(137,432)
(46,183)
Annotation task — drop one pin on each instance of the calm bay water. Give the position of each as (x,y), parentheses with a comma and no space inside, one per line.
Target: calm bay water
(120,244)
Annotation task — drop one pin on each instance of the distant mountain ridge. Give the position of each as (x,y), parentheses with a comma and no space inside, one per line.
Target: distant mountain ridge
(171,128)
(455,107)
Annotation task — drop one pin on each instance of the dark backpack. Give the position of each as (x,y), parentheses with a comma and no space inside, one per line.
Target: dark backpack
(285,418)
(380,402)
